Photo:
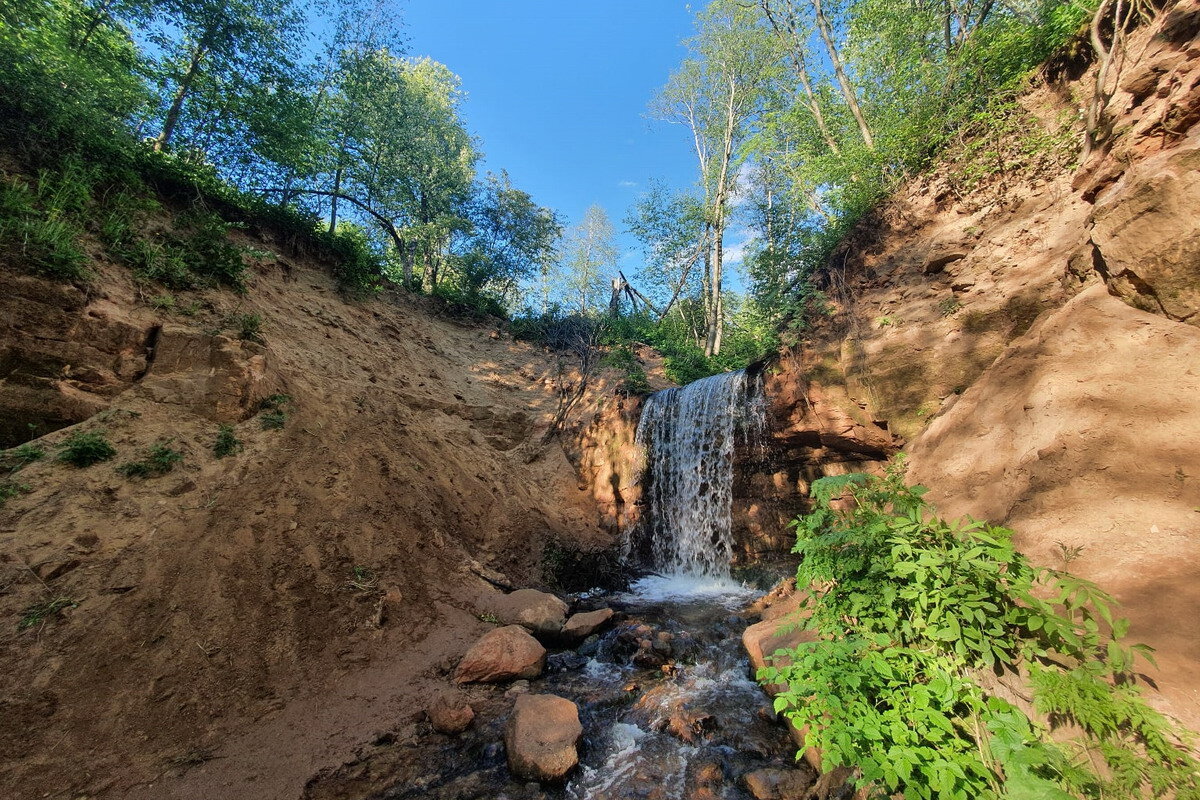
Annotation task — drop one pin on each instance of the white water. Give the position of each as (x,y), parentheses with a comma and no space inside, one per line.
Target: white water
(688,436)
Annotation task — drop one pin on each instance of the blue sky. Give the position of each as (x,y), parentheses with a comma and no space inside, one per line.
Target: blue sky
(557,93)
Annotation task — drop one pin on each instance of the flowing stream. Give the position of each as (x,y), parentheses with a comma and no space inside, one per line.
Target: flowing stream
(668,706)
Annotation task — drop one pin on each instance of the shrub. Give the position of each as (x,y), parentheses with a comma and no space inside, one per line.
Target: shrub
(248,327)
(274,412)
(17,457)
(909,610)
(10,489)
(82,449)
(227,442)
(160,459)
(633,377)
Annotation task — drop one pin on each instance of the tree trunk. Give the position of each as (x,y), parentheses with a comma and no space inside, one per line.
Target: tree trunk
(843,80)
(788,33)
(181,94)
(333,199)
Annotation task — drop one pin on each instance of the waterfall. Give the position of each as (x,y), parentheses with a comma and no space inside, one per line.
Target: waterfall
(688,436)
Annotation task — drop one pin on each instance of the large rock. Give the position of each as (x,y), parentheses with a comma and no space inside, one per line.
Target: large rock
(581,626)
(1147,232)
(502,655)
(540,612)
(541,737)
(778,784)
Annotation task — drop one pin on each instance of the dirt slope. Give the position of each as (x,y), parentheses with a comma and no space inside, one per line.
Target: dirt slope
(262,614)
(1033,338)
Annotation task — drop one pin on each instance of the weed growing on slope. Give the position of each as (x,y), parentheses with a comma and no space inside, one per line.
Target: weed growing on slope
(39,613)
(20,456)
(248,327)
(10,489)
(227,443)
(82,449)
(910,611)
(274,412)
(160,459)
(362,579)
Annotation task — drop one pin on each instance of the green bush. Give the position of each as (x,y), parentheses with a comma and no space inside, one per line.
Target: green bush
(910,610)
(160,459)
(248,327)
(20,456)
(10,489)
(274,411)
(227,443)
(633,377)
(82,449)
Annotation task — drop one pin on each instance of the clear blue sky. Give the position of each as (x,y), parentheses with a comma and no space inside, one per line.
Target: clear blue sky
(557,93)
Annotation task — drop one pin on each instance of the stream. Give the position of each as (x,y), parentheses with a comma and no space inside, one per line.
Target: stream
(668,705)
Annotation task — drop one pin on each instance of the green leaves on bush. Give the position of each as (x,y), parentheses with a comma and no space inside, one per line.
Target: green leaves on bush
(82,449)
(227,443)
(913,613)
(160,459)
(274,410)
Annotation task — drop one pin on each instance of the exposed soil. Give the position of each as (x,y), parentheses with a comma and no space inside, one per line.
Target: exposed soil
(240,623)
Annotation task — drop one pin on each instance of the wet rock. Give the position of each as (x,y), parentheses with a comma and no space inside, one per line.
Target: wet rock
(778,784)
(581,626)
(566,662)
(590,646)
(449,713)
(540,612)
(541,737)
(501,655)
(518,688)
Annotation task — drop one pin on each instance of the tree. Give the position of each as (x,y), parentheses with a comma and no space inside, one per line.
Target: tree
(508,241)
(220,59)
(715,94)
(589,256)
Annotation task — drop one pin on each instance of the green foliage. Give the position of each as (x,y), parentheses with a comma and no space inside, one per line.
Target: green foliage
(10,489)
(160,459)
(633,377)
(227,443)
(85,448)
(910,611)
(42,221)
(274,411)
(38,613)
(247,326)
(20,456)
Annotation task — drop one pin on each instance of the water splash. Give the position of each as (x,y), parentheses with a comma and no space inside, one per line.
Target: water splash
(688,436)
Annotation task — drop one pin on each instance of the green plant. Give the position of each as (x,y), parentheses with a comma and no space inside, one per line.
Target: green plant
(82,449)
(909,611)
(10,489)
(274,412)
(488,616)
(227,442)
(247,326)
(885,321)
(633,376)
(163,302)
(949,306)
(38,613)
(362,579)
(160,459)
(20,456)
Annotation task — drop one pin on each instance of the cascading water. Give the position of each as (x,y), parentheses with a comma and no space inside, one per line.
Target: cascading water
(688,436)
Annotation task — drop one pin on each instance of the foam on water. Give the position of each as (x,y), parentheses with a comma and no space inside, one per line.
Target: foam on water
(691,588)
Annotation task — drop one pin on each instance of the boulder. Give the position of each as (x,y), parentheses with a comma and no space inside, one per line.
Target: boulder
(540,612)
(502,655)
(778,784)
(581,626)
(449,713)
(541,737)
